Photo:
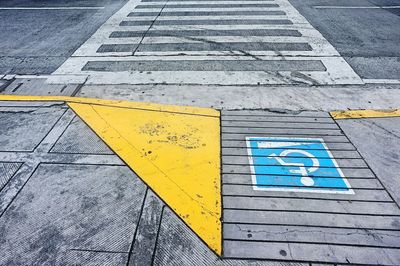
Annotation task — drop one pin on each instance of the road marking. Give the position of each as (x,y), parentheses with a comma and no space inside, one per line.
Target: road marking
(292,164)
(175,150)
(356,7)
(381,81)
(54,8)
(110,57)
(355,114)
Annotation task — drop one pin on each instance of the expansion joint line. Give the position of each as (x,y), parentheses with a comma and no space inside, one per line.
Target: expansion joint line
(151,25)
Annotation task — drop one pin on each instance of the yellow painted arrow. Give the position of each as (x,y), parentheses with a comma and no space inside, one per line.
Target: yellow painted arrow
(175,150)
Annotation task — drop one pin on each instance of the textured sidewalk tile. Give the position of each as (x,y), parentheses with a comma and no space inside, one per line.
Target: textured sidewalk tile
(307,226)
(79,138)
(178,245)
(378,141)
(67,207)
(23,130)
(91,258)
(7,170)
(146,236)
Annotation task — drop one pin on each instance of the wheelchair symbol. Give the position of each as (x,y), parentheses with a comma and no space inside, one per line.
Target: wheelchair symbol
(302,170)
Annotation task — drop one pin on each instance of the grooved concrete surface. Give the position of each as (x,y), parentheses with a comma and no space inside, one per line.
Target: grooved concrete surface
(360,228)
(66,199)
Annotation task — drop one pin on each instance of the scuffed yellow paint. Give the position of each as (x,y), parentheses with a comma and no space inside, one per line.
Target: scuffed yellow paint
(353,114)
(174,149)
(177,155)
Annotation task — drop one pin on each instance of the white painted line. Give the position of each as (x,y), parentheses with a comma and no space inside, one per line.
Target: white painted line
(142,18)
(337,70)
(53,8)
(381,81)
(9,77)
(356,7)
(207,3)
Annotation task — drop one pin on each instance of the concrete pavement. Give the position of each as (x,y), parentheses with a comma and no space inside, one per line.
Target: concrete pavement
(68,199)
(247,141)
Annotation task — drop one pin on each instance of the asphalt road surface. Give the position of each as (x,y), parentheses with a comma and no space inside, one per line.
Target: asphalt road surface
(365,33)
(38,36)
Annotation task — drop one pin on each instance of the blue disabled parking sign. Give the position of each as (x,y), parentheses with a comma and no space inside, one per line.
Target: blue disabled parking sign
(294,164)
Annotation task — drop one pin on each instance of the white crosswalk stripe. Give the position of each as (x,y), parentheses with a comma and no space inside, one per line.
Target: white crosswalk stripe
(247,42)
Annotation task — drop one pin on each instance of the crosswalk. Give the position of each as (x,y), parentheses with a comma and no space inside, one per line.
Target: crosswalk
(220,42)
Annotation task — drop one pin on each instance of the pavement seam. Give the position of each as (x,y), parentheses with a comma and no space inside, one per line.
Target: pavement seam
(31,173)
(137,227)
(158,233)
(151,25)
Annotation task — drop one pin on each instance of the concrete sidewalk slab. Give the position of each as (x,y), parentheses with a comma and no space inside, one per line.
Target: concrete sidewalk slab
(377,140)
(66,198)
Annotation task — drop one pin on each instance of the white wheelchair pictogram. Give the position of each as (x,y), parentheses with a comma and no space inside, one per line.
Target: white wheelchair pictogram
(302,170)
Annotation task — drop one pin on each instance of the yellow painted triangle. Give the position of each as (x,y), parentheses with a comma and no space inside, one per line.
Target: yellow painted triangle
(174,150)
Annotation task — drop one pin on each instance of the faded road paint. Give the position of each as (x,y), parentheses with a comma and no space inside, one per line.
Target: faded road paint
(352,114)
(175,150)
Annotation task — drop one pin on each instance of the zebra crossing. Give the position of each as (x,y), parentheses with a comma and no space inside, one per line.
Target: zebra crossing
(222,42)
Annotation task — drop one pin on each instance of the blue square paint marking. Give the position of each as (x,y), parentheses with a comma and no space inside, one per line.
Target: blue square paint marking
(294,164)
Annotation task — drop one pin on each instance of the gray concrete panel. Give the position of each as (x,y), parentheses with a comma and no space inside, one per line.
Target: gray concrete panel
(79,138)
(312,219)
(178,245)
(65,207)
(91,258)
(7,170)
(356,237)
(146,235)
(313,252)
(377,140)
(22,131)
(246,203)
